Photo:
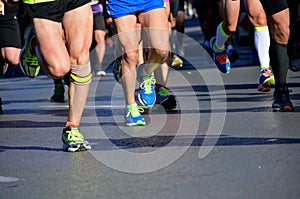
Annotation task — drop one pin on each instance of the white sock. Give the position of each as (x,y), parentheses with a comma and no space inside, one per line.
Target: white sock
(262,45)
(221,38)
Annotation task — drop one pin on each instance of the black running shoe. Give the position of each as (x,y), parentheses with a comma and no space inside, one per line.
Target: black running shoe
(116,69)
(165,99)
(282,102)
(59,93)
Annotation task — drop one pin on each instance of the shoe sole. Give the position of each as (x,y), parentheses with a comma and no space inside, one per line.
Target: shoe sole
(80,147)
(26,38)
(284,109)
(263,88)
(136,124)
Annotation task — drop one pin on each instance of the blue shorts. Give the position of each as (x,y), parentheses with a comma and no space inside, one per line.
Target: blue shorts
(120,8)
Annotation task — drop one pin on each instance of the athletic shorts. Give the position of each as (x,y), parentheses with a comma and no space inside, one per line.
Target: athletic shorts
(53,10)
(181,5)
(273,6)
(99,23)
(9,31)
(174,5)
(121,8)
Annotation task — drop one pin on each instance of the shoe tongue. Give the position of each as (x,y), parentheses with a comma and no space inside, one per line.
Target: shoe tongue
(163,91)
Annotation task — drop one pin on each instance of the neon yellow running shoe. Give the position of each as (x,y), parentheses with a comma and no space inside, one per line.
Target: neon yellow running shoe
(28,60)
(177,62)
(73,140)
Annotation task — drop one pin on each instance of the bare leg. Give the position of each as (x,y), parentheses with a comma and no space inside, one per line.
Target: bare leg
(128,37)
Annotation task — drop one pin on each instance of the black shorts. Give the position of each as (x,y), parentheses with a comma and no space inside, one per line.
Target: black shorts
(9,31)
(174,5)
(99,23)
(53,10)
(273,6)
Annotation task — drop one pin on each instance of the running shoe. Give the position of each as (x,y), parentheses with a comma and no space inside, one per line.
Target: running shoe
(164,98)
(3,68)
(116,69)
(206,46)
(220,58)
(177,62)
(59,93)
(100,73)
(28,60)
(133,116)
(295,58)
(147,95)
(295,65)
(282,102)
(1,111)
(232,55)
(73,140)
(266,80)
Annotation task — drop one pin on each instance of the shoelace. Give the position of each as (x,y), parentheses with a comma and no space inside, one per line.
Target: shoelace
(266,72)
(222,59)
(75,135)
(135,111)
(146,85)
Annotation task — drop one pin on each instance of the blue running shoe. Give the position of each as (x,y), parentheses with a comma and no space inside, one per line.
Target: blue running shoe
(147,95)
(220,58)
(133,116)
(266,80)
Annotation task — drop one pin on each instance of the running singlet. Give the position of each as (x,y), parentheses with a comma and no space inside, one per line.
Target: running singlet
(36,1)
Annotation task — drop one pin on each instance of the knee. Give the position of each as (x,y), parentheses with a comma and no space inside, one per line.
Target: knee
(58,71)
(131,58)
(162,54)
(11,56)
(100,37)
(282,35)
(259,20)
(13,59)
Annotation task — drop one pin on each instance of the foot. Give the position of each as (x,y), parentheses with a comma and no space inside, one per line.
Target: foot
(282,102)
(116,69)
(232,55)
(266,80)
(147,95)
(177,62)
(295,64)
(164,98)
(100,73)
(59,93)
(73,140)
(28,60)
(220,57)
(133,116)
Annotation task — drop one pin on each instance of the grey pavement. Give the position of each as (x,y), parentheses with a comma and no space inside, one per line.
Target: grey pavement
(222,141)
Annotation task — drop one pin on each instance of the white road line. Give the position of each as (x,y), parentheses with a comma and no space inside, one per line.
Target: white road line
(87,106)
(8,179)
